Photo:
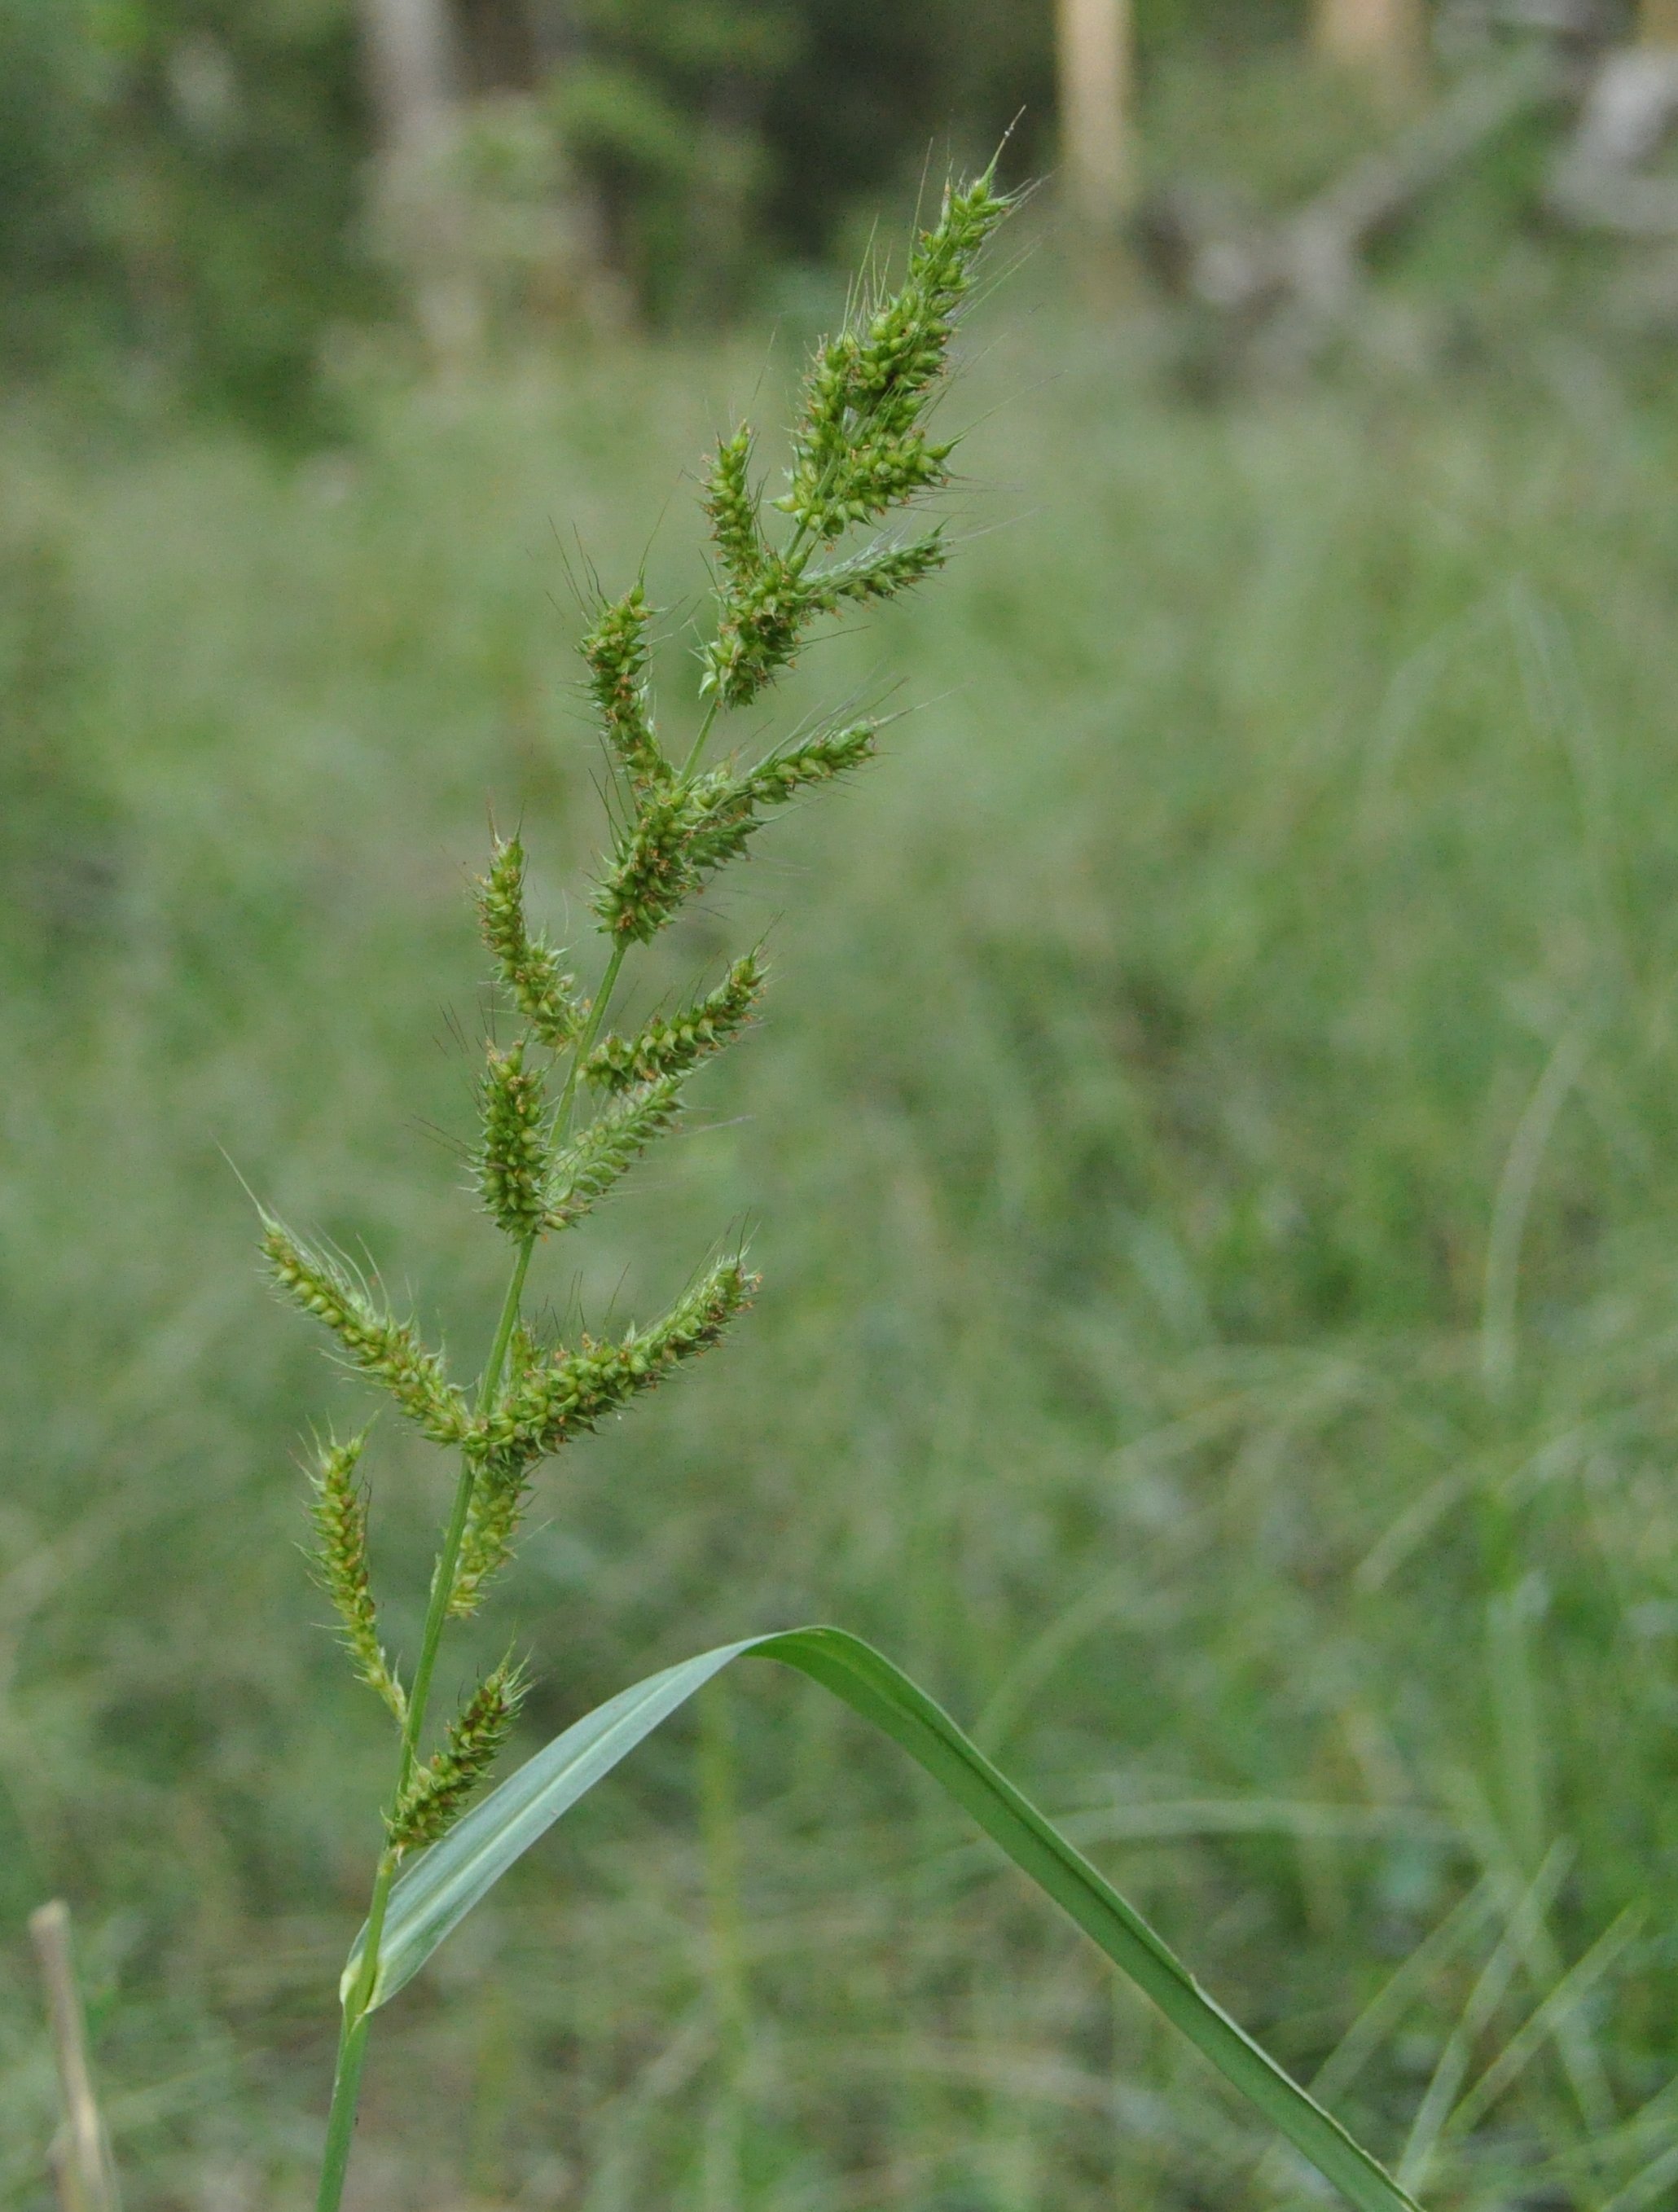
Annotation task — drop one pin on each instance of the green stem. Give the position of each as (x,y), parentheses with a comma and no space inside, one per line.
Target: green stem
(692,761)
(352,2039)
(341,2123)
(597,1015)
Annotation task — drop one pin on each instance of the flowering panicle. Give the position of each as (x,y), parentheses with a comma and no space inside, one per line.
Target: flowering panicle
(616,651)
(387,1351)
(437,1793)
(338,1510)
(513,1155)
(861,446)
(587,1168)
(670,1044)
(529,966)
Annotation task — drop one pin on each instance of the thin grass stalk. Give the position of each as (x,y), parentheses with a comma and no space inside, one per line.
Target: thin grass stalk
(82,2165)
(352,2039)
(861,450)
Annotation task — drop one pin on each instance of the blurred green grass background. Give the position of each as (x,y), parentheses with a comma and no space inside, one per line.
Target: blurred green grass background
(1211,1153)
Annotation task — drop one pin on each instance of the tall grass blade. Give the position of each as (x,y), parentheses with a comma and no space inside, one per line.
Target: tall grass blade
(435,1895)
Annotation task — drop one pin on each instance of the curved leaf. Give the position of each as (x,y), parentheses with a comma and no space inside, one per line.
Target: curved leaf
(435,1895)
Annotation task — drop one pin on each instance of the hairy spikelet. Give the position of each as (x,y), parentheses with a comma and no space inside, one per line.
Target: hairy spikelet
(678,840)
(732,503)
(880,573)
(681,838)
(530,967)
(861,446)
(588,1167)
(338,1510)
(498,1504)
(616,651)
(818,760)
(761,621)
(438,1792)
(652,870)
(572,1392)
(512,1153)
(672,1043)
(388,1351)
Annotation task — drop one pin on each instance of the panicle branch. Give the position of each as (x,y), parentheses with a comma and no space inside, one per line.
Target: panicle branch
(586,1169)
(681,838)
(671,1044)
(513,1154)
(438,1792)
(616,650)
(529,966)
(388,1351)
(861,446)
(572,1392)
(338,1510)
(734,507)
(552,1396)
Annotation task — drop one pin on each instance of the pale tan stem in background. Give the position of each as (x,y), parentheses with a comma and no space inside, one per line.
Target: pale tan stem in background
(408,52)
(1093,55)
(82,2165)
(1385,39)
(1657,22)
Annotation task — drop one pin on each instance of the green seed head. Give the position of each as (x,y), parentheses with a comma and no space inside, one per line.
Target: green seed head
(616,650)
(438,1792)
(338,1512)
(670,1044)
(512,1160)
(586,1169)
(529,967)
(573,1392)
(387,1350)
(861,447)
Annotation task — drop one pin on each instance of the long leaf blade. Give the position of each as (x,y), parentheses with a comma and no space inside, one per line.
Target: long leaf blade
(435,1895)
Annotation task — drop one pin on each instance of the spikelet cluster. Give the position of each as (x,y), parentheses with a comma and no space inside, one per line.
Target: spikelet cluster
(586,1169)
(512,1161)
(338,1510)
(679,838)
(569,1393)
(529,967)
(387,1351)
(438,1792)
(671,1044)
(616,651)
(768,607)
(862,446)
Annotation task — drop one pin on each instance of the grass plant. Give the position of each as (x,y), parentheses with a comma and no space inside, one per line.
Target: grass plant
(1122,1145)
(863,447)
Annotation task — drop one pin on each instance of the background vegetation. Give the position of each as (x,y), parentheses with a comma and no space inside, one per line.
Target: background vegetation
(1211,1160)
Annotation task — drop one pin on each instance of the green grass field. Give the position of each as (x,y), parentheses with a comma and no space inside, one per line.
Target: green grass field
(1212,1150)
